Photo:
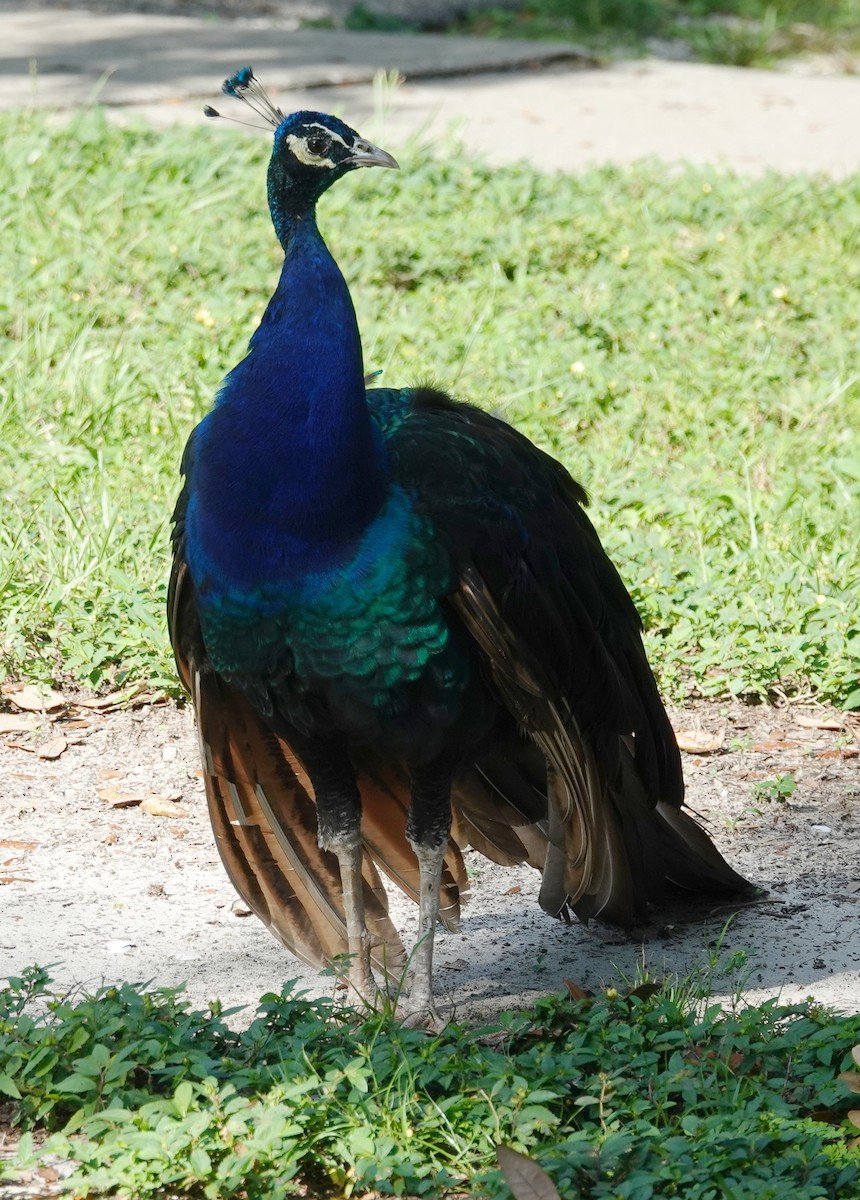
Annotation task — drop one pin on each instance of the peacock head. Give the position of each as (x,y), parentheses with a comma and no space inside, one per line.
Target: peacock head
(311,149)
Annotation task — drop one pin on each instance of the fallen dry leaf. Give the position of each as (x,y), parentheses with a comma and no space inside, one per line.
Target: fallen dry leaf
(11,844)
(575,992)
(644,991)
(827,1116)
(119,799)
(33,699)
(162,806)
(53,748)
(110,773)
(699,741)
(771,744)
(526,1178)
(842,752)
(147,800)
(820,723)
(134,698)
(142,698)
(16,722)
(14,879)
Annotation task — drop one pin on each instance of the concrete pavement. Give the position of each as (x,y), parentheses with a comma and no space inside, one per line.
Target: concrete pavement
(541,102)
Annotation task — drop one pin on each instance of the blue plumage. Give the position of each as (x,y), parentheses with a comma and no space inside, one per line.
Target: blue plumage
(392,612)
(287,468)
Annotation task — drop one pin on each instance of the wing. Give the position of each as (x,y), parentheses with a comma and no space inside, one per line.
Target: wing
(560,639)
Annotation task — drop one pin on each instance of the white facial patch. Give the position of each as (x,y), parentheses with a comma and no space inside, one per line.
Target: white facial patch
(330,133)
(299,147)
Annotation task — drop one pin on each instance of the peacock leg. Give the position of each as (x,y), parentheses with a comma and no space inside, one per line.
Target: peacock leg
(428,829)
(350,853)
(339,830)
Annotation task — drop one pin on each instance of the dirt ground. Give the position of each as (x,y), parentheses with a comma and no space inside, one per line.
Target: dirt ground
(108,869)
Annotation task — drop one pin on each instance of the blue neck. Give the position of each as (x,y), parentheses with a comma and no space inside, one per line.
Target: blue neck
(288,469)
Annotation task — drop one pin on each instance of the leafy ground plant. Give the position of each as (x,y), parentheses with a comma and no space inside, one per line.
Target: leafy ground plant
(648,1094)
(781,787)
(685,343)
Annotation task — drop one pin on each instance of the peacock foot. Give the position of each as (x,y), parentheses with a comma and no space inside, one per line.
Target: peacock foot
(420,1013)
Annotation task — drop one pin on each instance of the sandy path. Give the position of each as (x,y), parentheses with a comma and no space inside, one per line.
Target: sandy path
(114,893)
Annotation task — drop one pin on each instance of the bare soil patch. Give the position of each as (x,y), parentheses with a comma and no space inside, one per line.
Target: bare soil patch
(108,869)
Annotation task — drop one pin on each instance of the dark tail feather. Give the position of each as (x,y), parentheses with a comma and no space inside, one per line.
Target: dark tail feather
(666,847)
(692,861)
(612,846)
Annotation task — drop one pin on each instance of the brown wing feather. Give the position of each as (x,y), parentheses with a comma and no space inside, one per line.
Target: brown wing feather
(265,826)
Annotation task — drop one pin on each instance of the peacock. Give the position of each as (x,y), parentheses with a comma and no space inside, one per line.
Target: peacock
(402,637)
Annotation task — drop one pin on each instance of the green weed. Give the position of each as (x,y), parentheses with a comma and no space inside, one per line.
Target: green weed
(687,343)
(625,1096)
(782,787)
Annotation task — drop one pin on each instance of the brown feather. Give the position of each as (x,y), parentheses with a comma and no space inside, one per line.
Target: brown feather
(486,820)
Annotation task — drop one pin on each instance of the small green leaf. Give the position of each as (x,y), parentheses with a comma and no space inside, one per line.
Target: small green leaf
(183,1096)
(361,1143)
(200,1162)
(77,1083)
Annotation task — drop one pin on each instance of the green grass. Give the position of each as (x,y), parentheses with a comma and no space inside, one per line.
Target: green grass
(735,32)
(619,1098)
(686,343)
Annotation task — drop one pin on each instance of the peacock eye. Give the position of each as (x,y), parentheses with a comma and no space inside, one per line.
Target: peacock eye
(317,145)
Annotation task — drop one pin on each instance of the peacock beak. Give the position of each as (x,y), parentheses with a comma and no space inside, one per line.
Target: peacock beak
(365,154)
